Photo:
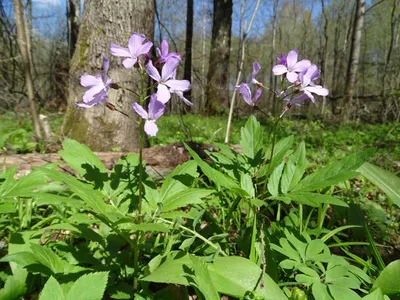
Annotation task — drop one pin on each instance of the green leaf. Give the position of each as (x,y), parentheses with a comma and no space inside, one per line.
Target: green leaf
(14,287)
(93,198)
(339,292)
(12,188)
(386,181)
(220,179)
(375,295)
(281,149)
(314,199)
(273,182)
(251,137)
(184,198)
(89,287)
(388,280)
(52,290)
(179,179)
(80,158)
(246,183)
(48,258)
(334,173)
(294,169)
(320,291)
(7,208)
(201,278)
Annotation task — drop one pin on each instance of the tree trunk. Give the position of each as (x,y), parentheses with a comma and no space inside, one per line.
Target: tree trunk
(217,93)
(354,58)
(73,9)
(22,37)
(188,45)
(103,22)
(324,54)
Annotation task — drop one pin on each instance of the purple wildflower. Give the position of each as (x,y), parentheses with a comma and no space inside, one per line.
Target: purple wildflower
(163,52)
(98,86)
(307,84)
(297,100)
(282,59)
(292,66)
(244,88)
(166,82)
(134,50)
(156,109)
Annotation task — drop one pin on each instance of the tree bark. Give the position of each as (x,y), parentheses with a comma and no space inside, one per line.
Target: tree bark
(217,92)
(22,37)
(103,22)
(187,74)
(354,58)
(324,54)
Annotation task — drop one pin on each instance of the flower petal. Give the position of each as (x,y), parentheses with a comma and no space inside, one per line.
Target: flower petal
(319,90)
(257,95)
(90,80)
(152,71)
(279,70)
(301,66)
(144,49)
(106,66)
(291,58)
(150,127)
(309,96)
(178,85)
(256,68)
(292,76)
(140,110)
(299,100)
(244,90)
(91,93)
(163,94)
(169,67)
(84,105)
(164,48)
(117,50)
(180,95)
(156,108)
(129,62)
(135,42)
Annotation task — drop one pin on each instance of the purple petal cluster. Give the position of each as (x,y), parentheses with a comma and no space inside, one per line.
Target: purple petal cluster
(155,110)
(290,66)
(166,82)
(245,90)
(97,87)
(134,50)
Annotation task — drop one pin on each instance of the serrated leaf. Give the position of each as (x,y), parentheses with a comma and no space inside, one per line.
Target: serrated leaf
(281,149)
(52,290)
(48,258)
(274,179)
(13,188)
(179,179)
(14,287)
(246,183)
(386,181)
(335,173)
(251,137)
(89,287)
(185,197)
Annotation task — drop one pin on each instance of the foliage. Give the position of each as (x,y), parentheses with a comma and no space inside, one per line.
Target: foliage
(209,228)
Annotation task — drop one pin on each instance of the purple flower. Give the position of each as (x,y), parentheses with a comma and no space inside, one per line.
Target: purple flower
(297,101)
(292,66)
(167,83)
(134,50)
(307,84)
(282,59)
(156,109)
(97,87)
(244,88)
(163,52)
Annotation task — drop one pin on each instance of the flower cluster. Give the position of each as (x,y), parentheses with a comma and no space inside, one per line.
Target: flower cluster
(166,82)
(301,76)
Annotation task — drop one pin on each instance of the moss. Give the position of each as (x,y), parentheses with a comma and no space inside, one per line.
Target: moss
(83,45)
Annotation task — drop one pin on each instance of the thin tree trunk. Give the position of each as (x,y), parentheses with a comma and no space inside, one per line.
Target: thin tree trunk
(103,22)
(188,45)
(217,93)
(22,37)
(272,79)
(73,14)
(324,54)
(353,59)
